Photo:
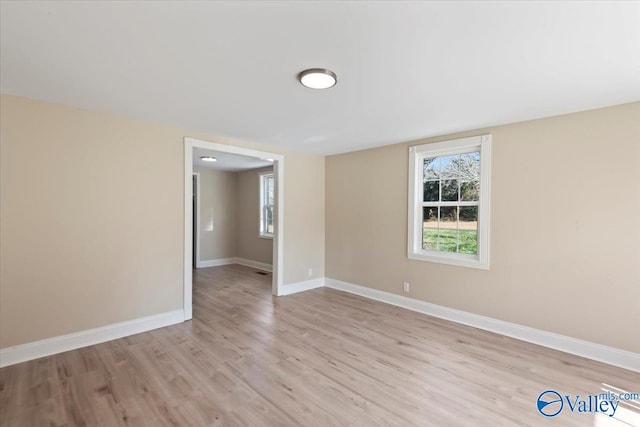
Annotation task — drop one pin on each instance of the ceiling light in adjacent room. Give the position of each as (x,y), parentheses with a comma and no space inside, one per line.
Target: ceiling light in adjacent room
(318,78)
(208,159)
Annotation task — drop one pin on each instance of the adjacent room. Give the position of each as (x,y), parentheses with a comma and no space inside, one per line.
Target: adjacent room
(233,210)
(355,213)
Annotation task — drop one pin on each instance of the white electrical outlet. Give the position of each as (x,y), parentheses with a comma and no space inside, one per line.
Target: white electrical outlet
(310,272)
(405,287)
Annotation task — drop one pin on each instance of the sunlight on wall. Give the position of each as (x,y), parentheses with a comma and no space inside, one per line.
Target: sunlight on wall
(209,224)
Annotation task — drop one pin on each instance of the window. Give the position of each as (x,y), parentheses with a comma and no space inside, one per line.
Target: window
(449,202)
(266,204)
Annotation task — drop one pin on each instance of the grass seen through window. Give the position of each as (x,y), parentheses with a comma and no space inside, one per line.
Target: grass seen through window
(446,240)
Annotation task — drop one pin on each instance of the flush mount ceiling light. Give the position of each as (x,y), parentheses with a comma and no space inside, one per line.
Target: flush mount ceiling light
(318,78)
(208,159)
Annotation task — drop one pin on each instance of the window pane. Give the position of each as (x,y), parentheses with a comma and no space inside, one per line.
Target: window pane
(468,230)
(269,219)
(449,166)
(450,190)
(269,188)
(448,231)
(469,166)
(431,191)
(267,196)
(431,168)
(430,228)
(470,191)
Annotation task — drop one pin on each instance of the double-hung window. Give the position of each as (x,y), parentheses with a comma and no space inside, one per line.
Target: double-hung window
(449,202)
(266,204)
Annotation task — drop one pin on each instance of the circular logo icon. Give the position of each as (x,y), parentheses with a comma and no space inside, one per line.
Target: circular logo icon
(550,403)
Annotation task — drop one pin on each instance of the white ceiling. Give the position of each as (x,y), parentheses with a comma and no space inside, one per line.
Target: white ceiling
(405,70)
(228,162)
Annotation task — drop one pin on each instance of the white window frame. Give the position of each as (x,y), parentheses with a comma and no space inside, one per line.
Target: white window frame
(417,154)
(263,231)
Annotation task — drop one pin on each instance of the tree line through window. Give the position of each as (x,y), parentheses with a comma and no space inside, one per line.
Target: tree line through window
(451,196)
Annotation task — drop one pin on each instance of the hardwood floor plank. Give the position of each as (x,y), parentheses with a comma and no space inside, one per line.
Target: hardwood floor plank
(317,358)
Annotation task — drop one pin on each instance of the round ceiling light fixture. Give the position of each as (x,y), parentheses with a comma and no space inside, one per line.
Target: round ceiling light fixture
(318,78)
(208,159)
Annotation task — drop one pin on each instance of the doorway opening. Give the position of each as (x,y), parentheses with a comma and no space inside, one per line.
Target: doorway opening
(199,219)
(195,196)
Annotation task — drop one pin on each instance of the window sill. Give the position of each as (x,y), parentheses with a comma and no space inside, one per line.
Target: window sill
(266,236)
(451,260)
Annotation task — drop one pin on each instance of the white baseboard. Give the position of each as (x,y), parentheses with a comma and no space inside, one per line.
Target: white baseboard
(37,349)
(215,262)
(613,356)
(601,353)
(294,288)
(253,264)
(235,260)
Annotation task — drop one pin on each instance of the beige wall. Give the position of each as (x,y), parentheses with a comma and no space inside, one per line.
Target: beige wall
(218,213)
(565,227)
(249,245)
(91,215)
(230,216)
(304,206)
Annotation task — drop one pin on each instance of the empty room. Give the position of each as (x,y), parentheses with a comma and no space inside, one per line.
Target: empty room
(233,210)
(319,213)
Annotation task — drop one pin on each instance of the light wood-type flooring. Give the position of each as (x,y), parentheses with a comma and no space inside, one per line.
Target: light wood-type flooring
(317,358)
